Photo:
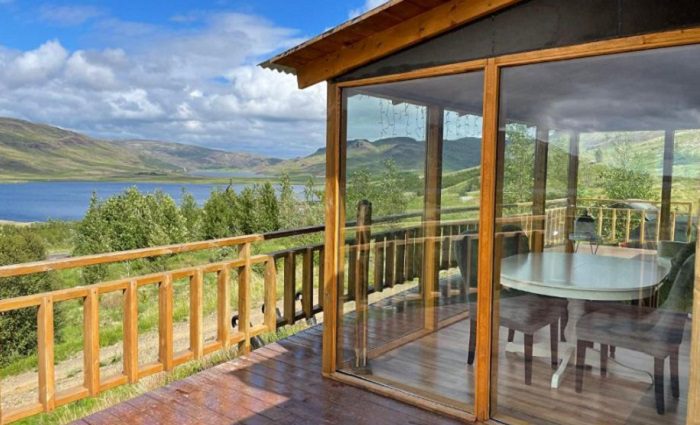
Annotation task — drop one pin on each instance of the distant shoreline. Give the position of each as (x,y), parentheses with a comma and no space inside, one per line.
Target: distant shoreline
(16,223)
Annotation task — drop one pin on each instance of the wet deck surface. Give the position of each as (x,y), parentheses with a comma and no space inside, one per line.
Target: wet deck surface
(280,383)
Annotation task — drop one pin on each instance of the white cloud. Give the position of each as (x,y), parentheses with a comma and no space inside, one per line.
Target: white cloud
(34,66)
(68,15)
(198,86)
(369,5)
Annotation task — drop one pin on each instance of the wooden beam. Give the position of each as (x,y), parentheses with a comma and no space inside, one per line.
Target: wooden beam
(431,23)
(482,397)
(539,190)
(693,413)
(333,261)
(45,351)
(665,223)
(571,189)
(431,214)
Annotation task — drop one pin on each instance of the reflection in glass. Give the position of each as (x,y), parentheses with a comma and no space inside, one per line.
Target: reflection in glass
(412,191)
(598,181)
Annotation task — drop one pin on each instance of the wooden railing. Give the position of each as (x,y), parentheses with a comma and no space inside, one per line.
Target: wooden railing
(133,370)
(393,256)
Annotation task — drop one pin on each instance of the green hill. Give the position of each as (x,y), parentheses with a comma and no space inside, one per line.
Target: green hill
(30,151)
(408,154)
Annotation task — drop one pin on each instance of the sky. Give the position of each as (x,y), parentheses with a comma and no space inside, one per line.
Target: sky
(179,70)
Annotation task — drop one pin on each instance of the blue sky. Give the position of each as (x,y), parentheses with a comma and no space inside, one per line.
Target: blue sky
(170,70)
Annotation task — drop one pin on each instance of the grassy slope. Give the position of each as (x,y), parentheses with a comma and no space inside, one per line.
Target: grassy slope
(31,151)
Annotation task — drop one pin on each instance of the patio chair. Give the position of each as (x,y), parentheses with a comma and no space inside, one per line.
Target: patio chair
(656,332)
(519,311)
(585,231)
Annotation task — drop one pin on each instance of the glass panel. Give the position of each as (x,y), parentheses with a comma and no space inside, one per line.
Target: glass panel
(413,155)
(595,238)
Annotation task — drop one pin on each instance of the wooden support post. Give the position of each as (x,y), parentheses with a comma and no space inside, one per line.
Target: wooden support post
(352,270)
(131,326)
(601,217)
(487,215)
(91,334)
(290,279)
(664,223)
(223,310)
(165,322)
(642,228)
(539,189)
(244,274)
(45,349)
(613,225)
(431,216)
(362,238)
(571,190)
(334,236)
(196,313)
(307,283)
(271,295)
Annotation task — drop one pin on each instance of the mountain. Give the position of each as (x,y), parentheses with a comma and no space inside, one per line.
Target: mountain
(407,154)
(38,151)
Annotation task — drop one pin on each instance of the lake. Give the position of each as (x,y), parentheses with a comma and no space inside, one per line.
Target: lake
(68,200)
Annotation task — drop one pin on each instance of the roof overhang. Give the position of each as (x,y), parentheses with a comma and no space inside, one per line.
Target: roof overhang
(379,32)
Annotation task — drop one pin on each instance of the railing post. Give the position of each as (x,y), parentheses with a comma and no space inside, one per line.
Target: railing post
(628,225)
(400,256)
(390,255)
(362,240)
(131,342)
(307,283)
(223,310)
(642,228)
(289,287)
(379,264)
(320,276)
(196,312)
(91,332)
(244,296)
(614,224)
(45,335)
(271,295)
(165,322)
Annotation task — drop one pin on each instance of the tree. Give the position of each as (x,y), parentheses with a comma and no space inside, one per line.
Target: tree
(267,209)
(219,216)
(626,177)
(245,211)
(192,215)
(519,162)
(18,327)
(288,204)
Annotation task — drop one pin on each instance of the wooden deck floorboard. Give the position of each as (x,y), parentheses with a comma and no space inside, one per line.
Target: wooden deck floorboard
(280,383)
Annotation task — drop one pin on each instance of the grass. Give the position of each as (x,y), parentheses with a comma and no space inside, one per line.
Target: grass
(85,407)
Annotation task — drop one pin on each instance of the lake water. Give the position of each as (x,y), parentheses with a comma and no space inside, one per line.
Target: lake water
(41,201)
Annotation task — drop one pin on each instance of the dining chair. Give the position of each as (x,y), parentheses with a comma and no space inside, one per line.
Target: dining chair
(519,311)
(657,332)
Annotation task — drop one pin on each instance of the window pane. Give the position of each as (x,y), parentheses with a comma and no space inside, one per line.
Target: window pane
(413,155)
(595,238)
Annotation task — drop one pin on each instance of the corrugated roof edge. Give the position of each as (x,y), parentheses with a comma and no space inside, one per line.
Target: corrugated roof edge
(270,63)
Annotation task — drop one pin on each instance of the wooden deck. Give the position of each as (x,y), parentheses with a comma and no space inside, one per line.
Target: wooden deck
(280,383)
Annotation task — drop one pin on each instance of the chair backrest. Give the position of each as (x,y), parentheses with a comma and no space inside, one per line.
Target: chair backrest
(467,250)
(680,296)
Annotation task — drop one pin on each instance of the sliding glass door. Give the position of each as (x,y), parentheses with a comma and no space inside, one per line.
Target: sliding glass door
(407,299)
(598,171)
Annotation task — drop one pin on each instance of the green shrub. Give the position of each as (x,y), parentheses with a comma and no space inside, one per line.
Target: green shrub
(18,327)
